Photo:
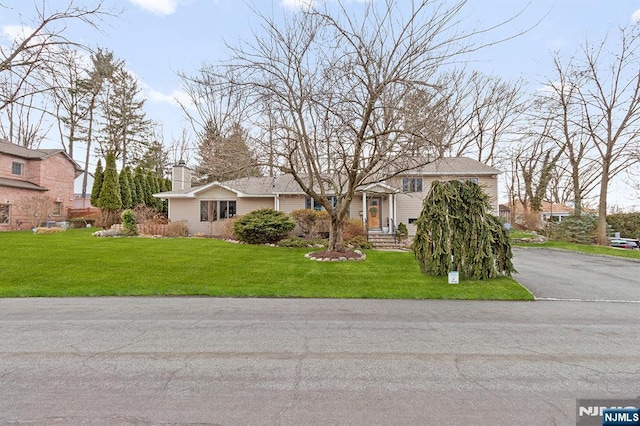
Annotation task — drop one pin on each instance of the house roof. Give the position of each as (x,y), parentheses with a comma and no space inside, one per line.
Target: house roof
(22,184)
(34,154)
(286,184)
(455,166)
(263,186)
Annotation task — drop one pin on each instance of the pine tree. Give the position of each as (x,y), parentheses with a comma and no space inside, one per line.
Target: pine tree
(110,201)
(455,232)
(156,159)
(97,184)
(223,157)
(125,129)
(103,66)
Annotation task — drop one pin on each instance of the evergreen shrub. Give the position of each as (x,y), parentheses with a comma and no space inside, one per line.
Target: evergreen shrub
(359,242)
(627,224)
(129,223)
(264,226)
(578,229)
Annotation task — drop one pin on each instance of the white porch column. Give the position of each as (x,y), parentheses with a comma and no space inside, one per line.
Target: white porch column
(364,207)
(392,209)
(276,203)
(392,221)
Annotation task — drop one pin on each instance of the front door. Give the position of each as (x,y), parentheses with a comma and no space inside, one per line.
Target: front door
(374,212)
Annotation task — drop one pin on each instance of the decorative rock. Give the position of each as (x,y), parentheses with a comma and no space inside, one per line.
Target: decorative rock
(106,233)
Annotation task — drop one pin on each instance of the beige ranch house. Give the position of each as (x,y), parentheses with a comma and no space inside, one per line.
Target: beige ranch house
(382,205)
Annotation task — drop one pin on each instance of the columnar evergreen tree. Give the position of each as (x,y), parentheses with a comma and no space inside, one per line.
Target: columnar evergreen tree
(455,232)
(132,187)
(125,189)
(141,184)
(110,201)
(97,184)
(152,188)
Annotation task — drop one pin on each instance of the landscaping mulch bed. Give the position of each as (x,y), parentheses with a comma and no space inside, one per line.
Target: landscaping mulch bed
(336,256)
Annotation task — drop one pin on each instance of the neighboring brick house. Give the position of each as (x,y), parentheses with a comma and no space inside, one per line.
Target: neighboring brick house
(25,173)
(381,206)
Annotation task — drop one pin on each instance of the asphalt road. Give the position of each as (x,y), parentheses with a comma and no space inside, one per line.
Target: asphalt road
(556,274)
(294,362)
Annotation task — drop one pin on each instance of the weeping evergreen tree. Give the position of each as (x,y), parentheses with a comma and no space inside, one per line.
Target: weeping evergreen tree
(97,184)
(455,233)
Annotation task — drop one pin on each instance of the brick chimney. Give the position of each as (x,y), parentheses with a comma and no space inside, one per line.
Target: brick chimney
(180,176)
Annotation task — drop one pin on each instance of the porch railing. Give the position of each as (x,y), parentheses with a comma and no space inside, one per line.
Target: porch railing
(366,228)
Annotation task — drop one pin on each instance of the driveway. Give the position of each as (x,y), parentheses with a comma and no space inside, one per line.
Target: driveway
(306,362)
(557,274)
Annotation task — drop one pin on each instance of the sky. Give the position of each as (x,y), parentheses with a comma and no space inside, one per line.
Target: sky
(159,38)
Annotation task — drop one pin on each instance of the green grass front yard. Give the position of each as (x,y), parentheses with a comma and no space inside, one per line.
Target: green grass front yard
(74,263)
(582,248)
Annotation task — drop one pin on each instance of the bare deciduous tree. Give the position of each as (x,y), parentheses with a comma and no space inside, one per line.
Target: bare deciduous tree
(68,78)
(37,42)
(37,208)
(577,168)
(337,89)
(609,99)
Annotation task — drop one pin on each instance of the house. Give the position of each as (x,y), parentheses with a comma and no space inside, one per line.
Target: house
(25,173)
(382,206)
(549,212)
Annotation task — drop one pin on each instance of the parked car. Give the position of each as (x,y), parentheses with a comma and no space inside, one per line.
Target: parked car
(625,243)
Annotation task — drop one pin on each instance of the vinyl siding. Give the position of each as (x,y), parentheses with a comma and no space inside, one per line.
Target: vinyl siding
(246,205)
(289,203)
(409,205)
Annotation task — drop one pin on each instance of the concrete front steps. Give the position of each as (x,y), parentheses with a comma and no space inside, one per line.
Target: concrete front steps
(384,242)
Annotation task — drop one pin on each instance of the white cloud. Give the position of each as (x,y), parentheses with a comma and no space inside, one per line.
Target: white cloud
(636,16)
(16,33)
(161,7)
(174,98)
(298,4)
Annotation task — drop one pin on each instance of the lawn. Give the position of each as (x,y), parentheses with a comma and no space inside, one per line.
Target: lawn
(583,248)
(74,263)
(587,248)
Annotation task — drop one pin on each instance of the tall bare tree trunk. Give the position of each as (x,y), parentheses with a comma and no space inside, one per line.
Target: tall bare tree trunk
(602,208)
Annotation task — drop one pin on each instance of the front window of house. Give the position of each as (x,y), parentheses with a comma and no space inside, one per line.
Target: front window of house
(310,203)
(5,214)
(227,209)
(57,208)
(212,210)
(17,168)
(411,184)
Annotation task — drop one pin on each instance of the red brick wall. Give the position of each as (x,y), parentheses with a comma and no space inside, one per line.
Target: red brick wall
(55,173)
